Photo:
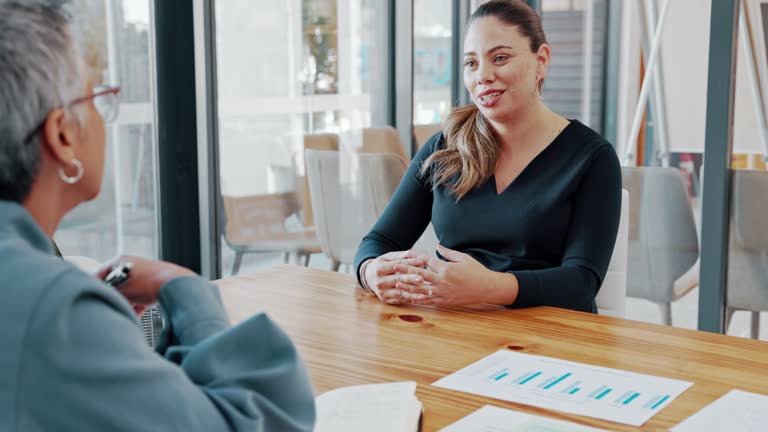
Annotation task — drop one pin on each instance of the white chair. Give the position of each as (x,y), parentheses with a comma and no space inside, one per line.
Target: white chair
(611,299)
(663,244)
(346,209)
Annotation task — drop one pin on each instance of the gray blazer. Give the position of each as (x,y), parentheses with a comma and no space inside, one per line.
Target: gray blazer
(73,357)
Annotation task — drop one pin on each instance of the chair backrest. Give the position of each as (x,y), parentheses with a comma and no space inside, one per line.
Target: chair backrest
(663,243)
(748,254)
(611,298)
(421,133)
(253,219)
(749,209)
(346,210)
(324,191)
(327,141)
(382,140)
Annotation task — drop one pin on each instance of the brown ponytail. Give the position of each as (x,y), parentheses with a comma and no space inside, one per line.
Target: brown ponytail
(472,148)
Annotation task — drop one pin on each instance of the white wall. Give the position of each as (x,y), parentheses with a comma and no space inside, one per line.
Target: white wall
(685,57)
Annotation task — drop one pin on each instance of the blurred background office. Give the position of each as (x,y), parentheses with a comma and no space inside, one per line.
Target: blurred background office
(254,132)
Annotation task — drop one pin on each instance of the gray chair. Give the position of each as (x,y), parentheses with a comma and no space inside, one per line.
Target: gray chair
(748,258)
(346,207)
(663,243)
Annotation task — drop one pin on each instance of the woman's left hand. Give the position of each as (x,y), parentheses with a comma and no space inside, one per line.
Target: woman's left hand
(461,280)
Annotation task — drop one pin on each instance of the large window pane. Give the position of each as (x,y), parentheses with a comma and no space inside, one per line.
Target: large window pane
(123,218)
(290,75)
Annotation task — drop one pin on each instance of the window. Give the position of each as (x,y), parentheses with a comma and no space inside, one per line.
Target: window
(123,218)
(288,72)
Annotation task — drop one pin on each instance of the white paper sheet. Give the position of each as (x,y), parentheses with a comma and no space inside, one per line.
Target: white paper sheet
(494,419)
(735,411)
(383,407)
(594,391)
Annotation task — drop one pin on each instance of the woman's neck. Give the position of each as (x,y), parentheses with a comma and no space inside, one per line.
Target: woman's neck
(47,204)
(529,127)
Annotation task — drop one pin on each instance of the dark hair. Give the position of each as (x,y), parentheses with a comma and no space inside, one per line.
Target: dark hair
(471,144)
(515,13)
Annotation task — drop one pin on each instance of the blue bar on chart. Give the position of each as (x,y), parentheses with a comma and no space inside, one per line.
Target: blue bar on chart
(530,378)
(574,391)
(652,401)
(631,398)
(621,398)
(549,380)
(496,375)
(605,392)
(656,405)
(501,376)
(555,382)
(596,392)
(519,379)
(570,387)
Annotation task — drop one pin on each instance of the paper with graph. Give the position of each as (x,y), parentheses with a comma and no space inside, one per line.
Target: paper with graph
(593,391)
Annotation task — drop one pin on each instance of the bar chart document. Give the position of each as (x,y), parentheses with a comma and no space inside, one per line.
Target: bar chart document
(578,388)
(494,419)
(737,411)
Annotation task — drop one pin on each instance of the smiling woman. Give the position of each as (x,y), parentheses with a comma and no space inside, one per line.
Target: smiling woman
(525,202)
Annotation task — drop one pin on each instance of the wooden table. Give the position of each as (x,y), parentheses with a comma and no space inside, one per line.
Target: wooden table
(347,337)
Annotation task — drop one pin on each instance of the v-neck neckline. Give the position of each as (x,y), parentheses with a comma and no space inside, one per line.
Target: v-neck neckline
(531,162)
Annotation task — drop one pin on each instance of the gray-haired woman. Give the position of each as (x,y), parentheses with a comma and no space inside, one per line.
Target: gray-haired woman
(73,356)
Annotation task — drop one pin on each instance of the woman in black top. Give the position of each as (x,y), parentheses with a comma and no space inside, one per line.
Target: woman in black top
(526,203)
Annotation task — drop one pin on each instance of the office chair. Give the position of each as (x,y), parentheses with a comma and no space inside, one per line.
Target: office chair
(345,210)
(663,243)
(747,287)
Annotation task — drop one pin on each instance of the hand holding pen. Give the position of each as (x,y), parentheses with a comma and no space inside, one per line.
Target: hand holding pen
(140,279)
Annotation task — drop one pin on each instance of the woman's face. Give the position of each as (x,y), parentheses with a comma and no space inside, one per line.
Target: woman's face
(500,72)
(92,147)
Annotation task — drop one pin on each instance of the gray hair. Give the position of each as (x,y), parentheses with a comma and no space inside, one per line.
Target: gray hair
(41,69)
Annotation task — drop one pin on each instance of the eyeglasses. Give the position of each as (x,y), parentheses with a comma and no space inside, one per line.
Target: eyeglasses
(104,100)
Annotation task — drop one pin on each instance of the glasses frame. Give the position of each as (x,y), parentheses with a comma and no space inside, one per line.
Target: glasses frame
(97,91)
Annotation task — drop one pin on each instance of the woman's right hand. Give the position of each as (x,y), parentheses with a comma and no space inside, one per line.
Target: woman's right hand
(381,278)
(146,277)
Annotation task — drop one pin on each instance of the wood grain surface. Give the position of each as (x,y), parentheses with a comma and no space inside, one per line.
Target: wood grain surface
(347,337)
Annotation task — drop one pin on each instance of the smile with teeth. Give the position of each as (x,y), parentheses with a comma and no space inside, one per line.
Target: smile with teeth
(488,97)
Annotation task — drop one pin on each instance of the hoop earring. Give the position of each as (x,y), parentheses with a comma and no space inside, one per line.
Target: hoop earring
(74,179)
(539,85)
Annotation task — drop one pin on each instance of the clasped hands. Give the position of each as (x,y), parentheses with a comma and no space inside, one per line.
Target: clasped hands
(418,278)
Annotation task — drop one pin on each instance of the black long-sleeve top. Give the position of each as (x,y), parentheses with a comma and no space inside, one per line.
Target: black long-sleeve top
(553,227)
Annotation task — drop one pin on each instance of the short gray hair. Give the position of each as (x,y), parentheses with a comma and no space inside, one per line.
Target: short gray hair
(40,70)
